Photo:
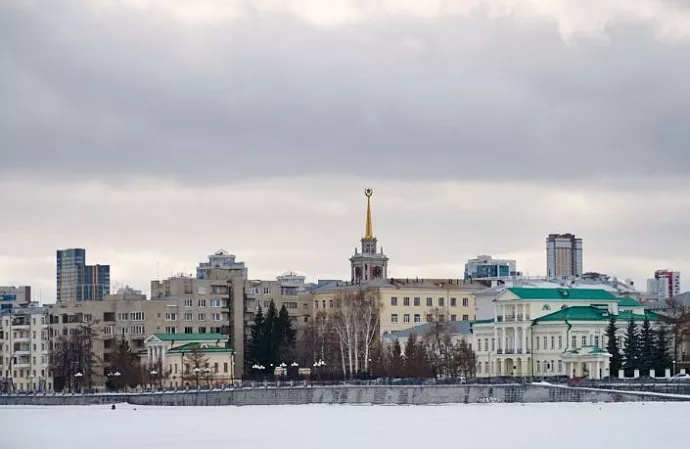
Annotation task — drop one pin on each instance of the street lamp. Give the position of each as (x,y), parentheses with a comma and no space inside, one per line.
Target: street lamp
(153,377)
(319,364)
(674,368)
(283,369)
(77,378)
(196,373)
(259,369)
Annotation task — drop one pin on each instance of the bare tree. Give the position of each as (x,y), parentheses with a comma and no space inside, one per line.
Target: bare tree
(197,361)
(678,319)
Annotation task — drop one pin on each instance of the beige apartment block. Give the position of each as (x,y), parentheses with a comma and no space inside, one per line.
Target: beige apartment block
(24,354)
(406,303)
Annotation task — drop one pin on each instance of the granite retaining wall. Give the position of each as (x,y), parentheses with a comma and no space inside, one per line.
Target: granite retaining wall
(350,394)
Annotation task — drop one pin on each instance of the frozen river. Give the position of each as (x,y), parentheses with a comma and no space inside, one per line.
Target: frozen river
(564,426)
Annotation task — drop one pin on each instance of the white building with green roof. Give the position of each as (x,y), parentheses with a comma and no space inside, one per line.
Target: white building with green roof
(549,332)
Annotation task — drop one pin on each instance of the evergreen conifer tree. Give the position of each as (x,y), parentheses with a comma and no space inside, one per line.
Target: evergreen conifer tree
(269,340)
(631,348)
(255,355)
(662,360)
(615,362)
(395,363)
(284,336)
(411,356)
(647,344)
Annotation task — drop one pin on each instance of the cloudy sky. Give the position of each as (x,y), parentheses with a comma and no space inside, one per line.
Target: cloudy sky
(154,132)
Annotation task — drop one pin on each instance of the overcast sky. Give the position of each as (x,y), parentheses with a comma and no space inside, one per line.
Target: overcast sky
(155,132)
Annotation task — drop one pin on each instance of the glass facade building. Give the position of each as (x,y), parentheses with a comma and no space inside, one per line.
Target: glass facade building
(77,281)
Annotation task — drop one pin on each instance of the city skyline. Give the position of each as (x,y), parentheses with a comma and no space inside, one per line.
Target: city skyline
(482,129)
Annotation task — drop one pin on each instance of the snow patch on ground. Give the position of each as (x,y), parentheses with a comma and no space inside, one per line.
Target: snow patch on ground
(486,426)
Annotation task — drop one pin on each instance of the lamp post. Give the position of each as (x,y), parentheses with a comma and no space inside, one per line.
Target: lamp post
(153,377)
(317,365)
(283,370)
(77,378)
(674,368)
(196,374)
(207,374)
(295,367)
(259,369)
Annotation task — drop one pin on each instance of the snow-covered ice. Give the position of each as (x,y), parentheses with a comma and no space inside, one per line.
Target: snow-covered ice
(565,426)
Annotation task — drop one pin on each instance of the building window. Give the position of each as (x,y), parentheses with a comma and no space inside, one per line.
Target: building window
(188,316)
(188,302)
(215,367)
(417,318)
(545,346)
(138,329)
(394,300)
(215,316)
(170,330)
(465,302)
(267,290)
(170,316)
(546,307)
(136,316)
(538,366)
(216,303)
(188,330)
(553,343)
(417,301)
(406,301)
(479,367)
(538,345)
(584,341)
(201,303)
(596,341)
(441,318)
(201,317)
(406,318)
(429,302)
(123,316)
(441,302)
(486,344)
(560,366)
(493,344)
(560,342)
(574,342)
(454,317)
(225,367)
(453,302)
(330,303)
(394,318)
(202,329)
(465,318)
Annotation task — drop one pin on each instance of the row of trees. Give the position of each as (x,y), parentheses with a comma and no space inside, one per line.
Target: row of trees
(643,349)
(421,359)
(272,338)
(347,338)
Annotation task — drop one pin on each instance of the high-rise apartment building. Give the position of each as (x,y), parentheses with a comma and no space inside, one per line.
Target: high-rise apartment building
(487,267)
(77,281)
(563,256)
(665,284)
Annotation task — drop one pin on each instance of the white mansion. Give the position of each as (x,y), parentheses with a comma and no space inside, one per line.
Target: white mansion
(547,332)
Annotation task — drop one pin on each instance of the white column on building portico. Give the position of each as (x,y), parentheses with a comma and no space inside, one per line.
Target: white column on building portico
(524,339)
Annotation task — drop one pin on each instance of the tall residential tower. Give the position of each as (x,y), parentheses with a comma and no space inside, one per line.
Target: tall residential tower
(77,281)
(563,256)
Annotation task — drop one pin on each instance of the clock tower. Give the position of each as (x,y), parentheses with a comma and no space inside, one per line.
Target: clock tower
(369,265)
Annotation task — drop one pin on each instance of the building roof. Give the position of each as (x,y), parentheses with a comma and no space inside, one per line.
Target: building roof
(561,294)
(454,327)
(401,283)
(629,302)
(190,347)
(191,337)
(591,313)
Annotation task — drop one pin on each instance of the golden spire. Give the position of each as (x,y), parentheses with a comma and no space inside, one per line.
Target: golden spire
(369,230)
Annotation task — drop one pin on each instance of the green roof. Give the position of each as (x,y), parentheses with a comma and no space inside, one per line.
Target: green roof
(186,350)
(191,337)
(576,313)
(488,321)
(561,294)
(590,313)
(629,302)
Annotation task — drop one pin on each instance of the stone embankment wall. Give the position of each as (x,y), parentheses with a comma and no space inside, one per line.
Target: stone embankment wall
(348,394)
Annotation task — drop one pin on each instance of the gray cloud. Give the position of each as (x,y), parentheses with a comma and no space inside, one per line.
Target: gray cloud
(109,95)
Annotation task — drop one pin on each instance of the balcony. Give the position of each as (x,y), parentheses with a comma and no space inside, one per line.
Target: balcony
(510,317)
(499,351)
(510,351)
(22,339)
(499,318)
(519,317)
(519,351)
